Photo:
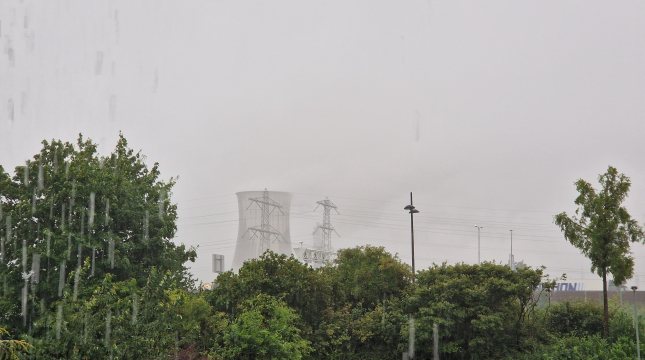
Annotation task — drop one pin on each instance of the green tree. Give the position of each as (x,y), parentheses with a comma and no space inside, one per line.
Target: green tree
(367,275)
(348,310)
(104,226)
(366,316)
(353,332)
(11,349)
(301,287)
(575,319)
(482,310)
(265,328)
(585,319)
(603,230)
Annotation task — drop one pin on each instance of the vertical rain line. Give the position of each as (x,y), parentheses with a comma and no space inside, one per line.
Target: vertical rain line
(59,319)
(77,273)
(108,327)
(61,279)
(135,308)
(25,277)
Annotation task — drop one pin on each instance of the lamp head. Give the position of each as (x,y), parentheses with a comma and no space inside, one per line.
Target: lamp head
(634,288)
(414,211)
(408,207)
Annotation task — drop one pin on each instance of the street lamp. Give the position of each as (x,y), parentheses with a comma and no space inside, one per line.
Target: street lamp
(479,228)
(636,325)
(412,211)
(512,259)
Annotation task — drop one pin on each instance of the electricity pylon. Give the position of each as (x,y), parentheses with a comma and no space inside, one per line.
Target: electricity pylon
(265,233)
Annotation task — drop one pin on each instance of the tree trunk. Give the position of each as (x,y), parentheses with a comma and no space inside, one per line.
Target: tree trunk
(605,318)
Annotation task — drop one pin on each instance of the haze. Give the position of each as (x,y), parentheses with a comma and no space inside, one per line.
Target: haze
(487,111)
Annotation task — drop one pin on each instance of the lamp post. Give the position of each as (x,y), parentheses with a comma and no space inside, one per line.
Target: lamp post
(479,228)
(412,211)
(636,325)
(512,259)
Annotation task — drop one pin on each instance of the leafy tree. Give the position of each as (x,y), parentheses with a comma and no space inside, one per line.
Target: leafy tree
(343,318)
(583,319)
(481,310)
(301,287)
(366,316)
(264,329)
(12,349)
(367,275)
(575,319)
(603,230)
(354,332)
(102,228)
(120,320)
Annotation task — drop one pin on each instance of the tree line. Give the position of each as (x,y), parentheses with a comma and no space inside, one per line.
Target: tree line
(90,270)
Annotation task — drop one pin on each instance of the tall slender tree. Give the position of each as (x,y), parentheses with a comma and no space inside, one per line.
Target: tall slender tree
(603,230)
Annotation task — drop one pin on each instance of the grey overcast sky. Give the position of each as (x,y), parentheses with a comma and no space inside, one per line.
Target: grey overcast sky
(487,110)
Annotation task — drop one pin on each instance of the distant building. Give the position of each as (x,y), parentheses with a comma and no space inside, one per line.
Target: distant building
(218,263)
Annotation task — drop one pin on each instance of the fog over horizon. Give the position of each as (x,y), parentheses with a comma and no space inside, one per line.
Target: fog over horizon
(487,111)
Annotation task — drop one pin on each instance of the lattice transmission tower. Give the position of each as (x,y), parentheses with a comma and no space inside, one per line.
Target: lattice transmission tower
(265,233)
(326,228)
(321,253)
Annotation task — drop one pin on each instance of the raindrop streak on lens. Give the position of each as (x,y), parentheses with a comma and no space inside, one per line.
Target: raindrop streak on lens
(90,220)
(35,268)
(108,327)
(93,258)
(41,177)
(162,199)
(107,211)
(33,203)
(62,218)
(135,308)
(61,279)
(25,174)
(59,320)
(146,222)
(49,239)
(77,274)
(69,246)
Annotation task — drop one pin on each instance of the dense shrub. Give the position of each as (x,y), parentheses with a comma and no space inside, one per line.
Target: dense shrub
(591,347)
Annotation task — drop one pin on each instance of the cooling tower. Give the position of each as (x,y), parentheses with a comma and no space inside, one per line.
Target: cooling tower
(263,225)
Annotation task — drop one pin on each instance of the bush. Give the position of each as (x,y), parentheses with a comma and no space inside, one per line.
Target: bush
(583,319)
(575,319)
(591,347)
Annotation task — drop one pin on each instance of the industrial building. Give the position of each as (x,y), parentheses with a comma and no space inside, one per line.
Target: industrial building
(263,225)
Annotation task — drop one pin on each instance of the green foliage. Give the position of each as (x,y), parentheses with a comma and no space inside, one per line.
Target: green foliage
(570,319)
(354,332)
(621,322)
(585,348)
(603,229)
(368,274)
(145,306)
(482,310)
(120,320)
(341,317)
(304,289)
(11,349)
(575,319)
(264,329)
(48,205)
